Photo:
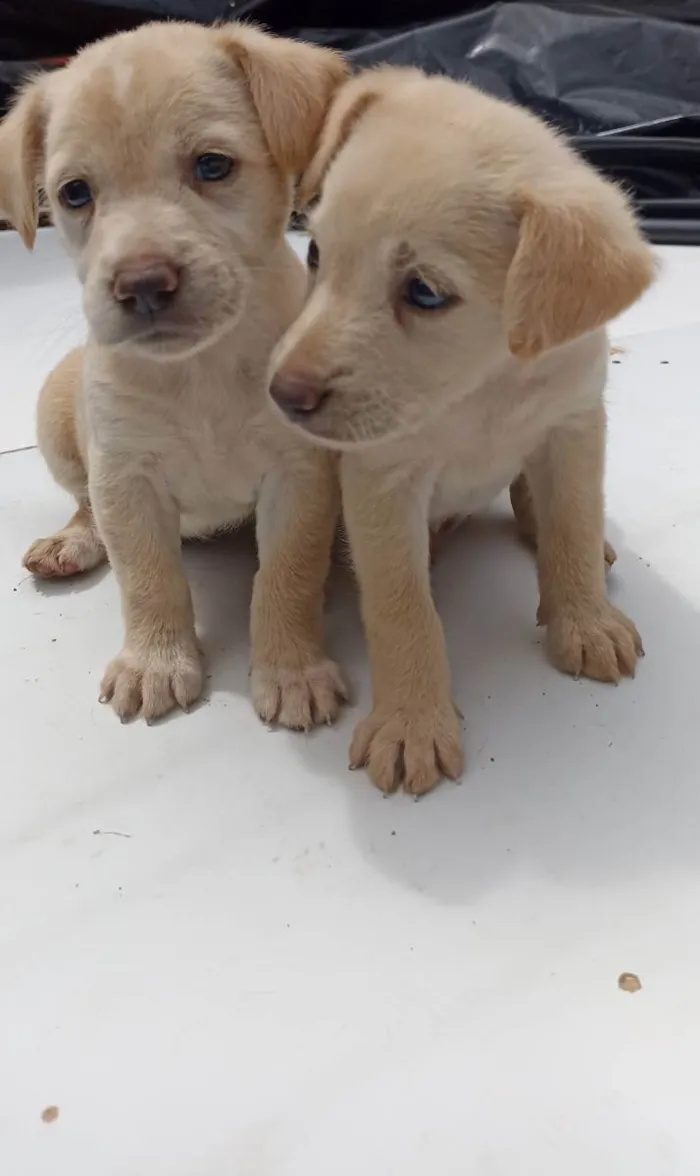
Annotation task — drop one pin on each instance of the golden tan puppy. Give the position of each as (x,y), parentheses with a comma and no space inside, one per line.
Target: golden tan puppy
(465,264)
(167,156)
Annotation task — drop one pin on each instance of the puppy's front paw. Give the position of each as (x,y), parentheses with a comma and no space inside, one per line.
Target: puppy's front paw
(601,644)
(412,748)
(299,699)
(152,682)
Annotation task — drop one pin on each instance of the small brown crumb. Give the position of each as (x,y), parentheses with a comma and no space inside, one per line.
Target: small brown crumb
(50,1115)
(628,982)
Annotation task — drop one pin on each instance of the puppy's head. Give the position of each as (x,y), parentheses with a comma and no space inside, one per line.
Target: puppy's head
(167,156)
(454,235)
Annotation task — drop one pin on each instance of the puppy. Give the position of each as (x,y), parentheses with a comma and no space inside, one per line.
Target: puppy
(168,156)
(465,264)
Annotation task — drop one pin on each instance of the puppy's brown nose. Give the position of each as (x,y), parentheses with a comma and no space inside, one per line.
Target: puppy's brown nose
(299,394)
(145,285)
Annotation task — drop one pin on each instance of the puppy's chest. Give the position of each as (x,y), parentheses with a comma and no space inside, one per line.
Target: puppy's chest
(215,468)
(206,437)
(484,443)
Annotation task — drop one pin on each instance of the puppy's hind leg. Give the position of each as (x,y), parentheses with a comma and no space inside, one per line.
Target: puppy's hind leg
(77,547)
(525,521)
(585,633)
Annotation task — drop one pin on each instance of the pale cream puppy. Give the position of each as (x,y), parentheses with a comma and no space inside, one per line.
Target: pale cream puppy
(466,262)
(168,157)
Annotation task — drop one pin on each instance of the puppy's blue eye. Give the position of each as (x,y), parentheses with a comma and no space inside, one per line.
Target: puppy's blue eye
(75,194)
(212,166)
(419,294)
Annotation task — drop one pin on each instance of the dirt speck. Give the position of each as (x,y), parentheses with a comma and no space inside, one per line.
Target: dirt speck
(628,982)
(618,351)
(49,1114)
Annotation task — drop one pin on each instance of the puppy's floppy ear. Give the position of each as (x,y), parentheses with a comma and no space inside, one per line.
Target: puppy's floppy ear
(21,160)
(291,84)
(579,262)
(344,114)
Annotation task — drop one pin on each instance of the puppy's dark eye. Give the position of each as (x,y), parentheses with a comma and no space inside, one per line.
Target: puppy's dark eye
(420,295)
(313,257)
(75,194)
(212,166)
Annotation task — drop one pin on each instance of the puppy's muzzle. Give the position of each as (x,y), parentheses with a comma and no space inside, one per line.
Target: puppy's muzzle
(298,394)
(146,285)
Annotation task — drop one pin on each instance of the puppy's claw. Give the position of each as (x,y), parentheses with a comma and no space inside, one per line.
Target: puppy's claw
(609,554)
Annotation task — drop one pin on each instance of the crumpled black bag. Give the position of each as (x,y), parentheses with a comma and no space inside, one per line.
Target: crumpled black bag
(587,67)
(622,78)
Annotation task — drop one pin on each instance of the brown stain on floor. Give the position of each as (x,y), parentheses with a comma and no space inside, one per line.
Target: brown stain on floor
(628,982)
(50,1114)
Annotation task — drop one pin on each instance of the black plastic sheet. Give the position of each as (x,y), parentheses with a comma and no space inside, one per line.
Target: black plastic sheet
(592,69)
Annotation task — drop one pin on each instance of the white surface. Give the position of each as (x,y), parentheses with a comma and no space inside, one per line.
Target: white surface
(277,972)
(40,320)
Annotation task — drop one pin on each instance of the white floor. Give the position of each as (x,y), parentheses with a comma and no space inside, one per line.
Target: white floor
(221,954)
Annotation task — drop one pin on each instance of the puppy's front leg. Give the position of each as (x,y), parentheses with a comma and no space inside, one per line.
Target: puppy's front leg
(412,737)
(585,633)
(160,666)
(293,682)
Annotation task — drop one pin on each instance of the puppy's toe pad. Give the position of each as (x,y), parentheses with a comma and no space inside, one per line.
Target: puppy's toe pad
(406,750)
(299,699)
(603,645)
(151,683)
(65,554)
